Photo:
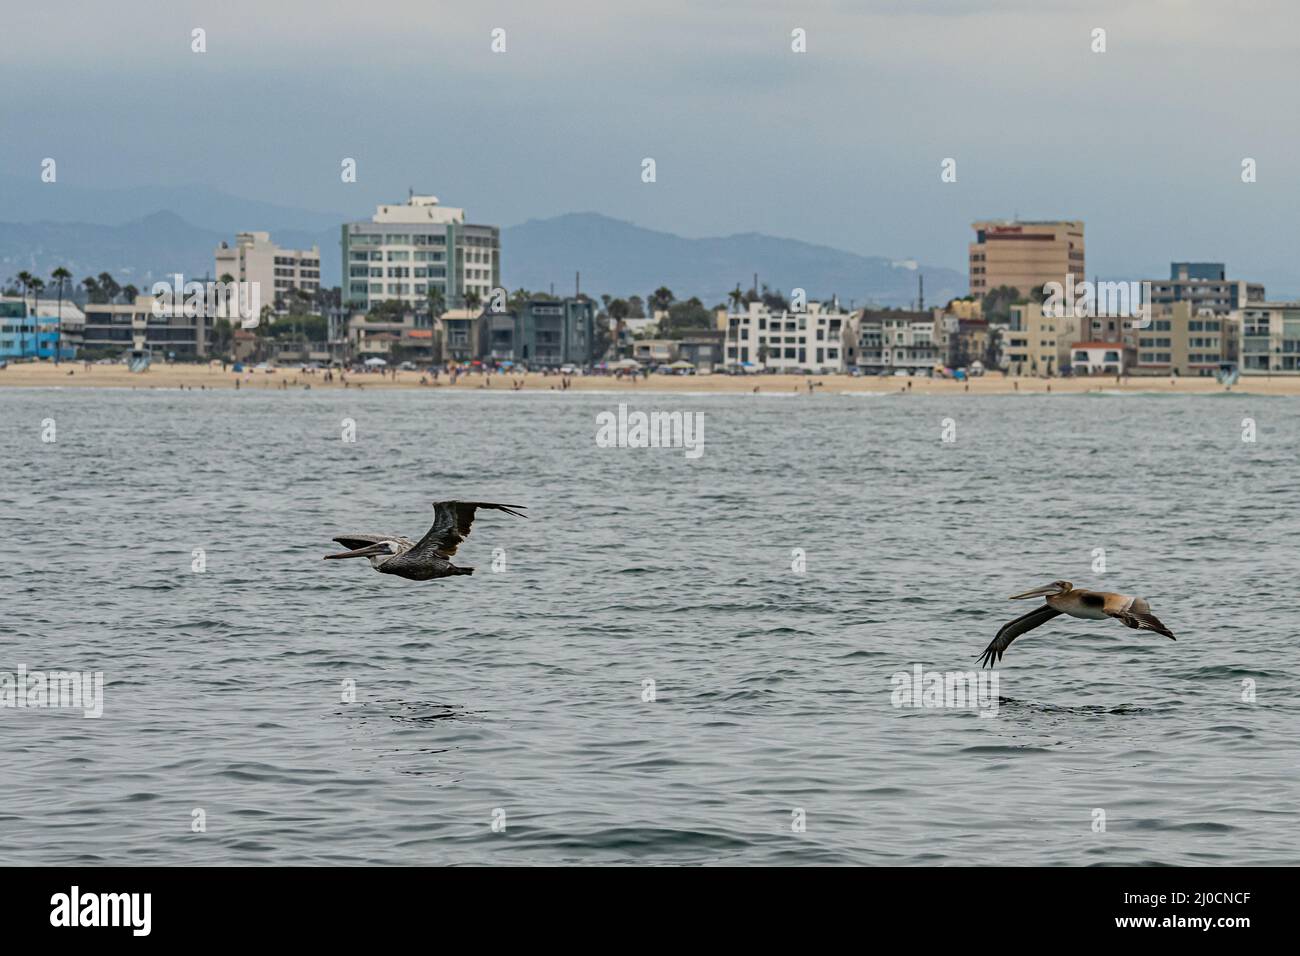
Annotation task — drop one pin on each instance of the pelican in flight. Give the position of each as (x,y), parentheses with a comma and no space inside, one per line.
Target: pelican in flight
(427,558)
(1064,598)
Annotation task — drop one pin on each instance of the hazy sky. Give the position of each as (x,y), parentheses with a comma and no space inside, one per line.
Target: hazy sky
(840,145)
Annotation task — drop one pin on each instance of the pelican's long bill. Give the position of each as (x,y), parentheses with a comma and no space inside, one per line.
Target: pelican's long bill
(1045,590)
(379,547)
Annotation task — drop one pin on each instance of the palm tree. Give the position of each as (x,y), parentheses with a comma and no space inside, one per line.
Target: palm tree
(661,299)
(109,285)
(60,277)
(472,300)
(263,330)
(37,286)
(222,333)
(736,297)
(93,293)
(437,302)
(25,280)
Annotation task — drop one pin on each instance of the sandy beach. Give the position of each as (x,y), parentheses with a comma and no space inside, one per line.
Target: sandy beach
(161,376)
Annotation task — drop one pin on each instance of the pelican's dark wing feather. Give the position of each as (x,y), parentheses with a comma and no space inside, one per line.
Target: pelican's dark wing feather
(1142,620)
(1013,629)
(451,524)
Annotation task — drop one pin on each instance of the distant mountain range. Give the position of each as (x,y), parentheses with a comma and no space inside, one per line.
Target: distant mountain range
(28,200)
(92,231)
(139,252)
(624,259)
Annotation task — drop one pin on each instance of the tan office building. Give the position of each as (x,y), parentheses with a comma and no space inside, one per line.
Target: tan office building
(1025,255)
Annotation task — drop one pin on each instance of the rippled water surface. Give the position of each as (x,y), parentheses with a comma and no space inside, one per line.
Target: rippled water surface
(523,690)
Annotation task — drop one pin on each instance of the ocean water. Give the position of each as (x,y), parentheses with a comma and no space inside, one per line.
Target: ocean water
(519,696)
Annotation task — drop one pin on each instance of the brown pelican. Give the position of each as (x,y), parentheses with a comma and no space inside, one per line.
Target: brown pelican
(427,558)
(1064,598)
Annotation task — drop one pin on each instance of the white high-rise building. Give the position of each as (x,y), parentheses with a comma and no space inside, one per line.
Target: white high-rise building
(406,250)
(255,258)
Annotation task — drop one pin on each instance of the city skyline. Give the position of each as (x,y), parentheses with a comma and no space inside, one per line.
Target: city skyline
(840,145)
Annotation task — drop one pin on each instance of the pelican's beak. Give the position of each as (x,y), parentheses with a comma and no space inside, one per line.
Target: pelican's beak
(378,548)
(1036,592)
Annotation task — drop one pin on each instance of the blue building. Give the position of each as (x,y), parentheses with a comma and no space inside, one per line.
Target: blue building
(1199,271)
(24,336)
(544,333)
(551,332)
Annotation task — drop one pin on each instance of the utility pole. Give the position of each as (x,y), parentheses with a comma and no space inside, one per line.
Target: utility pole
(920,307)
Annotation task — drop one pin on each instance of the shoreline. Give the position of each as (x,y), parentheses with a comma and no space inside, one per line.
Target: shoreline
(204,377)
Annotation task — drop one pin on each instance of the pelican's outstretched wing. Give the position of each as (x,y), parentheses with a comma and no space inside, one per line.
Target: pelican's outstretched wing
(451,523)
(1013,629)
(1138,615)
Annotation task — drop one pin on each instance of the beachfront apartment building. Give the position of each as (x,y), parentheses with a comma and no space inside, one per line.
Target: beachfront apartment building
(962,341)
(1270,338)
(462,330)
(39,328)
(554,332)
(1184,340)
(704,350)
(498,332)
(1206,286)
(408,337)
(406,250)
(1037,344)
(896,340)
(814,340)
(118,328)
(1025,255)
(655,352)
(279,273)
(541,333)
